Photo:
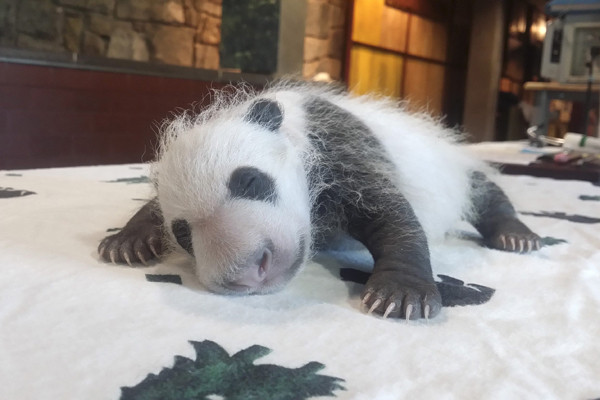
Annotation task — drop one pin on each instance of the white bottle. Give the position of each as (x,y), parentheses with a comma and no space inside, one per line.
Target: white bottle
(578,142)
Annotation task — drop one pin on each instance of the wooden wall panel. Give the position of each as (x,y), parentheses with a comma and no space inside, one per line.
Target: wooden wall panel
(379,25)
(427,38)
(367,21)
(375,71)
(398,54)
(424,85)
(53,117)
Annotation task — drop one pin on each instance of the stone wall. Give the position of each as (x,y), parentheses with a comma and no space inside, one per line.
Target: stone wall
(325,38)
(178,32)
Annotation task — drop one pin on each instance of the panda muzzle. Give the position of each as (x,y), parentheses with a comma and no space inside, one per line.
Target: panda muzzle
(253,272)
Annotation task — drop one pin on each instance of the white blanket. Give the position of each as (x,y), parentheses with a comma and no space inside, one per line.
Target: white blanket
(74,327)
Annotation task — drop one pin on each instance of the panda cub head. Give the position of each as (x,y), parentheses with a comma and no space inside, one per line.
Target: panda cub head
(234,195)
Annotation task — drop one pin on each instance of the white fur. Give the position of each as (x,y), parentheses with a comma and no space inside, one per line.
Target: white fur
(433,171)
(198,154)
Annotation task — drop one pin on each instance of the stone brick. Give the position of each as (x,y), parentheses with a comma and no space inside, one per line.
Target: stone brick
(191,15)
(133,9)
(309,69)
(102,6)
(72,32)
(34,43)
(168,11)
(93,44)
(332,66)
(173,45)
(317,19)
(73,3)
(208,7)
(209,30)
(171,11)
(138,26)
(8,19)
(337,16)
(336,44)
(100,25)
(206,56)
(128,44)
(314,48)
(38,19)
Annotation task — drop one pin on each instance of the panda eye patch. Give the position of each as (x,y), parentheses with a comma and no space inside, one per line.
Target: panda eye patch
(252,184)
(183,234)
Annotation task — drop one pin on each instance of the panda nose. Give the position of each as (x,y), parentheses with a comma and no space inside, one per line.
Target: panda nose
(254,272)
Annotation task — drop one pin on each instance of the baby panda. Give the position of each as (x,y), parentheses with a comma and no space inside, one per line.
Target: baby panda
(252,186)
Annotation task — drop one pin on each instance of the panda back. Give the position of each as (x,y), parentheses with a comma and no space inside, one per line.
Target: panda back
(433,169)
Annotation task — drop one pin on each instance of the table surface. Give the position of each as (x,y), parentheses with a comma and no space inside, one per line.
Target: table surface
(74,327)
(562,87)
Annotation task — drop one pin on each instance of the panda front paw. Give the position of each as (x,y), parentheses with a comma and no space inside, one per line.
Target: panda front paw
(131,247)
(393,294)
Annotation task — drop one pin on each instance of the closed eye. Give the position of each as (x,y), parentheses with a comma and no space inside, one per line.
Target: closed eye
(252,184)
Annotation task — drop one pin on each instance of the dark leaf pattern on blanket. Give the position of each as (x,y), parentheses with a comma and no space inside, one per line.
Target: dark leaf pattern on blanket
(454,291)
(133,180)
(551,241)
(585,197)
(164,278)
(215,372)
(582,219)
(7,192)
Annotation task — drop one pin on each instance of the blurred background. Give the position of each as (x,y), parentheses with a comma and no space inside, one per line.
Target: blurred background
(86,82)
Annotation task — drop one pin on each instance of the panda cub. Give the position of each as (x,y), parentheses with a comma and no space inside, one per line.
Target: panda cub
(253,185)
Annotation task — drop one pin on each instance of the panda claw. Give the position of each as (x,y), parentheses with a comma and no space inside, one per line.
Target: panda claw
(101,250)
(529,246)
(375,304)
(426,311)
(409,309)
(366,297)
(153,250)
(513,244)
(503,239)
(127,259)
(141,257)
(112,255)
(521,245)
(389,309)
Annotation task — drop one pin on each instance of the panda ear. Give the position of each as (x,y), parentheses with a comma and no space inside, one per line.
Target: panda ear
(266,113)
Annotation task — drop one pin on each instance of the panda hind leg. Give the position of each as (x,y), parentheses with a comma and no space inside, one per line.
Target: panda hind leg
(496,220)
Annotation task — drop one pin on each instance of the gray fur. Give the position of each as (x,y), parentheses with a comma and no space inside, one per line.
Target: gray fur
(351,171)
(359,196)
